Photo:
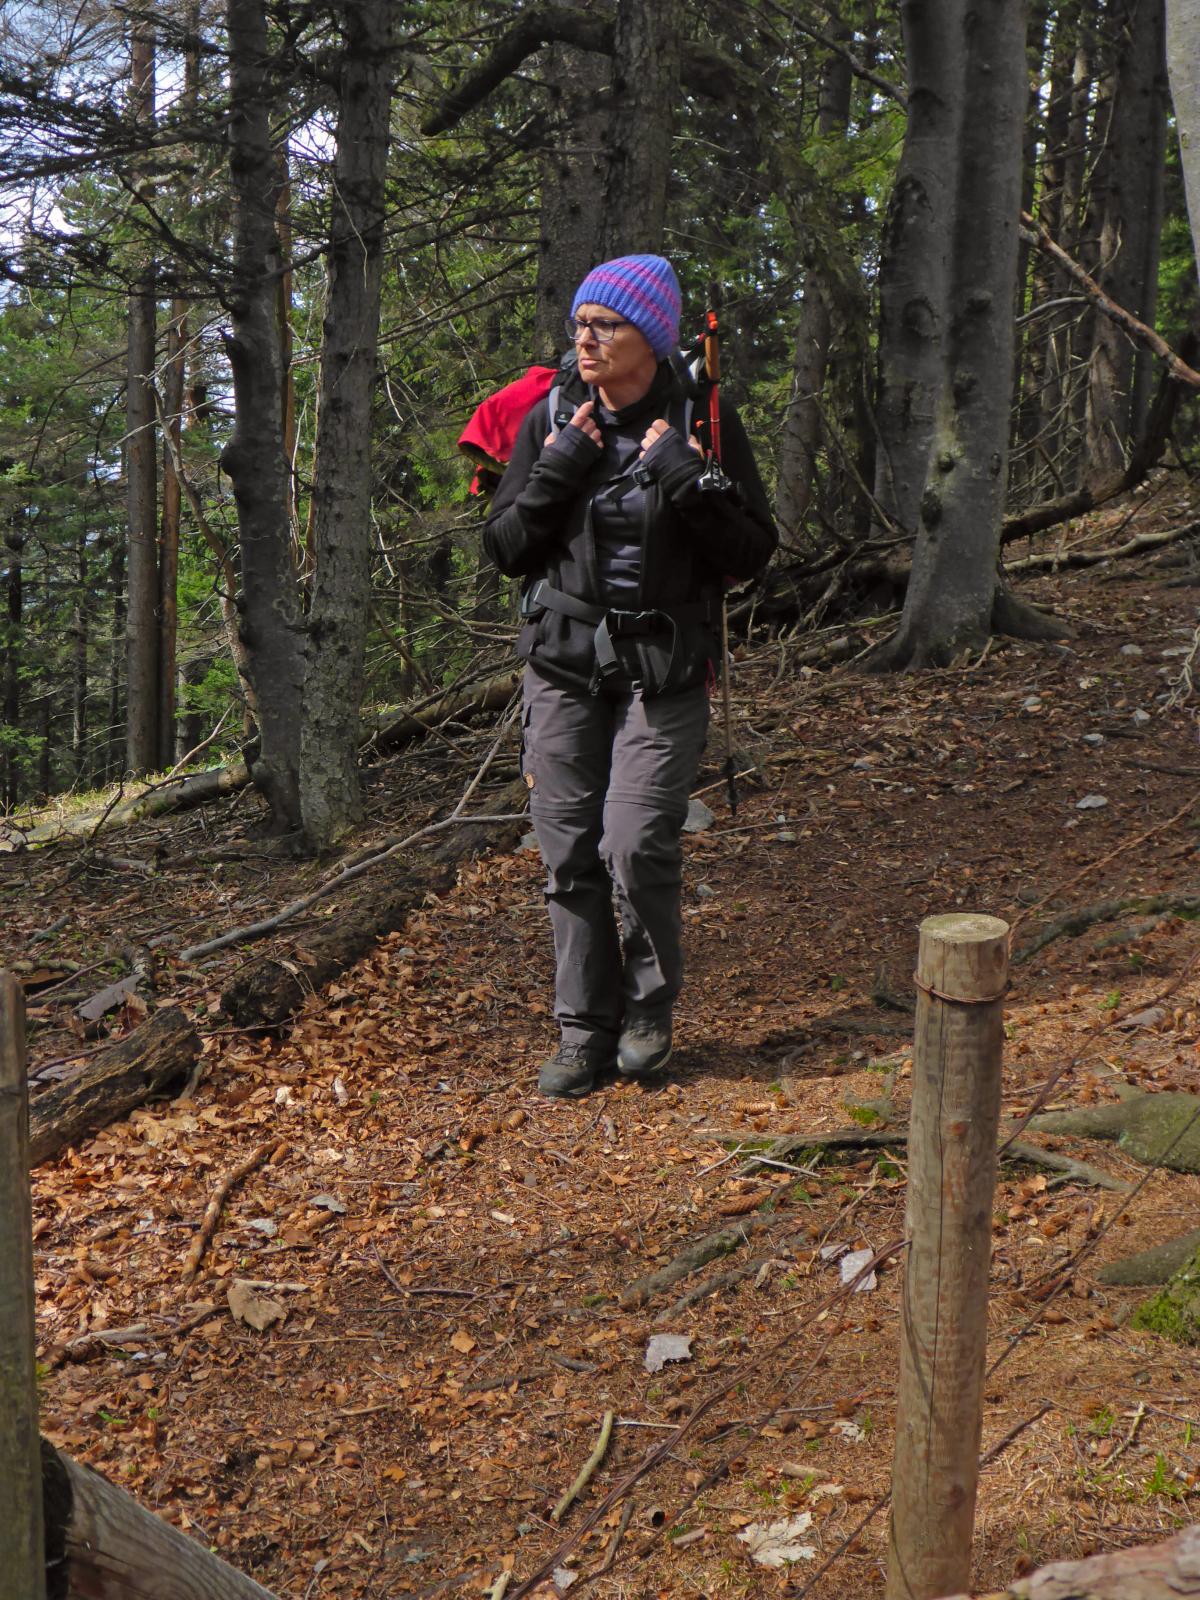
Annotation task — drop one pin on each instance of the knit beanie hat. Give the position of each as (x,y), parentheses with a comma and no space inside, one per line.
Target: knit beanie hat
(642,289)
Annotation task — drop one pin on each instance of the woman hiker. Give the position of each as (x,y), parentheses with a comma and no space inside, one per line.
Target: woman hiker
(625,543)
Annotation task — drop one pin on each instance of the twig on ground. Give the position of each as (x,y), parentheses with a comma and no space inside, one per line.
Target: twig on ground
(610,1555)
(587,1471)
(230,1180)
(1139,1417)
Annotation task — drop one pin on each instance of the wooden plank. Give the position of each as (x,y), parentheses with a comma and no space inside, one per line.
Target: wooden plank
(962,968)
(22,1560)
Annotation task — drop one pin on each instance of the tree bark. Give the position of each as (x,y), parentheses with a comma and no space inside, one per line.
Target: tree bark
(914,274)
(1183,68)
(330,799)
(803,429)
(574,171)
(1119,375)
(254,456)
(141,475)
(645,94)
(14,592)
(152,1059)
(952,592)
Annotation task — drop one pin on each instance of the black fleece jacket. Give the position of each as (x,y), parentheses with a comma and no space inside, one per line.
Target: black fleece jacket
(693,540)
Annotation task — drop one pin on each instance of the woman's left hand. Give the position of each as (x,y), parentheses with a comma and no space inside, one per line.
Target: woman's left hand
(655,432)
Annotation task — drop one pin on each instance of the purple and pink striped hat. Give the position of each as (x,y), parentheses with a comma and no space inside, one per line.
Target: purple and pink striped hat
(642,289)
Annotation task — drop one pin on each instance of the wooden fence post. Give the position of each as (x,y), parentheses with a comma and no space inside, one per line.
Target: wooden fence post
(962,969)
(22,1553)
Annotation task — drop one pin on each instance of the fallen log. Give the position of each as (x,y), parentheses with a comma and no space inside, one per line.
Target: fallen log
(101,1542)
(1147,1572)
(154,1059)
(273,988)
(182,794)
(158,800)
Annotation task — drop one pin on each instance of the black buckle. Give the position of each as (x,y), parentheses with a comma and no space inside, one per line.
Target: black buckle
(641,475)
(628,624)
(530,604)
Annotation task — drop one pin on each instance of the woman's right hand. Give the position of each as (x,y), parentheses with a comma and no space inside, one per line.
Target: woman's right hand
(584,421)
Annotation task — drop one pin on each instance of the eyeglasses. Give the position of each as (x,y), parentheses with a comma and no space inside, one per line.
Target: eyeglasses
(602,327)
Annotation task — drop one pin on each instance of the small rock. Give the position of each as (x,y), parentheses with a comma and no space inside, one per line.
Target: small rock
(863,764)
(1094,739)
(664,1347)
(705,891)
(1143,1019)
(699,817)
(1033,703)
(1091,802)
(1131,650)
(785,836)
(1140,718)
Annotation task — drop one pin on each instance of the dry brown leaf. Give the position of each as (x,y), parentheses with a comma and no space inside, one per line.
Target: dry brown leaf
(463,1342)
(256,1310)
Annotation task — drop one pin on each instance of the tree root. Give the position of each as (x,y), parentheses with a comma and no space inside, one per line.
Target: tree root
(714,1245)
(1082,918)
(881,1138)
(1158,1130)
(1152,1266)
(711,1286)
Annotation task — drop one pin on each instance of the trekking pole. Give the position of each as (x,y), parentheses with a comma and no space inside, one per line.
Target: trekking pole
(715,473)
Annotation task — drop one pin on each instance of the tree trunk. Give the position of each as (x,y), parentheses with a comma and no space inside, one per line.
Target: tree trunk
(141,475)
(641,125)
(341,592)
(574,172)
(1183,67)
(803,431)
(79,661)
(1118,375)
(14,544)
(255,457)
(952,592)
(914,271)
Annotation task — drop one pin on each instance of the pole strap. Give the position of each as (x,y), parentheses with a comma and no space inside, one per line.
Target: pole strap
(960,999)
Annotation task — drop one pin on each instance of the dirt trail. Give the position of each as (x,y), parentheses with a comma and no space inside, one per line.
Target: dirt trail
(449,1250)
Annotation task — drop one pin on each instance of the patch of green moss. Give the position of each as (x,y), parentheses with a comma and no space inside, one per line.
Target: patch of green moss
(1167,1316)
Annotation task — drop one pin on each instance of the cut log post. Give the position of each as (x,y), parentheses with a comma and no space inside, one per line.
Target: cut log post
(962,969)
(101,1543)
(21,1557)
(151,1060)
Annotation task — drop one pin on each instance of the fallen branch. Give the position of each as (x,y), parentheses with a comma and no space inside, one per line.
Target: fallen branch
(711,1286)
(587,1471)
(710,1248)
(1062,561)
(225,1186)
(1034,233)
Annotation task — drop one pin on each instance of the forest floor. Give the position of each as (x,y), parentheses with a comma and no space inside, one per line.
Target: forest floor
(446,1250)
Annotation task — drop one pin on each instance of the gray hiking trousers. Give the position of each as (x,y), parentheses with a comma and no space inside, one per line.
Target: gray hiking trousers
(609,776)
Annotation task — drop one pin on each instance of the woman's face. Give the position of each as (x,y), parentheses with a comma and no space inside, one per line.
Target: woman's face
(624,365)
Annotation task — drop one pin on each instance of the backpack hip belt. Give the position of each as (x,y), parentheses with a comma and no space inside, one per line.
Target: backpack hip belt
(614,622)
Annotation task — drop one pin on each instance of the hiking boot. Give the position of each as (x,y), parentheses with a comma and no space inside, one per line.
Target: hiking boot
(644,1047)
(571,1070)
